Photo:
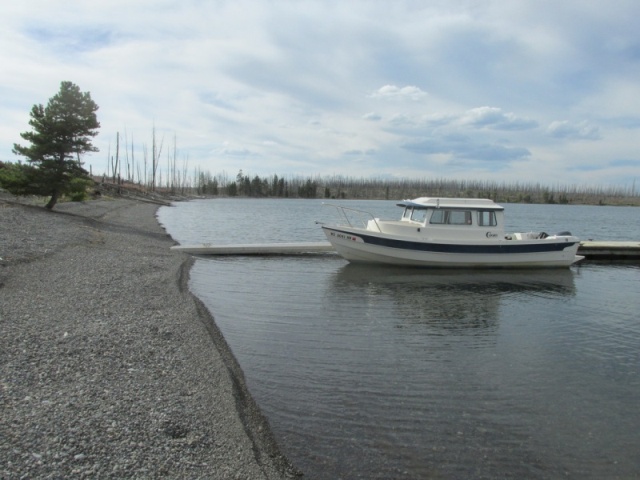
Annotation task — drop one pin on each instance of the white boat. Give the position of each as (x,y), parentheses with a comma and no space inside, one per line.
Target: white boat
(447,232)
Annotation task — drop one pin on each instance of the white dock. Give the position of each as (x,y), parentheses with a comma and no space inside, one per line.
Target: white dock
(609,250)
(298,248)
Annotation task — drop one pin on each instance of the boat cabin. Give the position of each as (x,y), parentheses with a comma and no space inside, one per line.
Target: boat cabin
(437,218)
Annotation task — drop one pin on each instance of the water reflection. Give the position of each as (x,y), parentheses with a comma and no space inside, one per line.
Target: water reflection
(447,301)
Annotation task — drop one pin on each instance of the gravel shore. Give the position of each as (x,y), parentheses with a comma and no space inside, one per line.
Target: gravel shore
(109,367)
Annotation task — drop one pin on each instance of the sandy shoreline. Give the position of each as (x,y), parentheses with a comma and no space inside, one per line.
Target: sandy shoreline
(109,367)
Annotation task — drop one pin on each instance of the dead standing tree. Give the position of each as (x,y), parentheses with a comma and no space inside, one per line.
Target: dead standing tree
(155,158)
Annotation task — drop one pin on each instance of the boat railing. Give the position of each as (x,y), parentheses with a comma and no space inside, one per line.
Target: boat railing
(360,218)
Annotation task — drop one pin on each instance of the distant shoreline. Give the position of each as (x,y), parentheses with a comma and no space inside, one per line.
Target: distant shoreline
(530,195)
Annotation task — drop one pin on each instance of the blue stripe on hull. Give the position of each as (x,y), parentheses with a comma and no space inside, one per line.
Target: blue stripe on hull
(503,248)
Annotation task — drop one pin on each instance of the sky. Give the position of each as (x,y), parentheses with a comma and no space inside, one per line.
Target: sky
(533,91)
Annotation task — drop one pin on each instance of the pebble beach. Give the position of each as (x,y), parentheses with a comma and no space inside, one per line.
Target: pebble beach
(109,367)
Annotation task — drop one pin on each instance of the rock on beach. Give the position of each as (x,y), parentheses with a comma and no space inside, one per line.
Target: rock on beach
(109,367)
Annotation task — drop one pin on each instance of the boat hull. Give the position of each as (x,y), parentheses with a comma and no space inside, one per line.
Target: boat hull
(362,246)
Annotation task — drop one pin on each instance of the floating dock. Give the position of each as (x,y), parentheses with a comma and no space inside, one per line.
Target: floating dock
(299,248)
(591,250)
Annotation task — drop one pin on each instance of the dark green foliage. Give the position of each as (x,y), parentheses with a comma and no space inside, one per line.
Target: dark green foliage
(61,133)
(308,190)
(232,189)
(16,177)
(548,197)
(78,188)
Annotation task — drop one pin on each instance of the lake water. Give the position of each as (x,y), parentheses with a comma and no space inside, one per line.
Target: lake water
(383,373)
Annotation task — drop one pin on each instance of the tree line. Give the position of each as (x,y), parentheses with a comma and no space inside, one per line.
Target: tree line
(345,187)
(178,181)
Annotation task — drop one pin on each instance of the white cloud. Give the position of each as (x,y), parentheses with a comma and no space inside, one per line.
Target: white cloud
(373,116)
(492,117)
(580,131)
(400,119)
(393,92)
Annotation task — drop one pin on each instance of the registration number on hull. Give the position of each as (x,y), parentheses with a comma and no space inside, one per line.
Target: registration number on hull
(344,236)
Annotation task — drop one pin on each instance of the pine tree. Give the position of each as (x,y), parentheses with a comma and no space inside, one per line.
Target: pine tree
(62,132)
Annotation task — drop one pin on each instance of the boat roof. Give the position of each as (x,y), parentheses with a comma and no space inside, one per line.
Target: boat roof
(437,202)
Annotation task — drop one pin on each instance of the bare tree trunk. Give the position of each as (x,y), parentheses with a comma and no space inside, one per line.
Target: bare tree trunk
(157,150)
(185,168)
(133,164)
(154,165)
(114,171)
(173,168)
(144,159)
(117,169)
(126,158)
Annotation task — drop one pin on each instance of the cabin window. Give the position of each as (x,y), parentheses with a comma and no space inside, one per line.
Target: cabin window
(442,216)
(414,214)
(437,217)
(459,217)
(487,218)
(419,215)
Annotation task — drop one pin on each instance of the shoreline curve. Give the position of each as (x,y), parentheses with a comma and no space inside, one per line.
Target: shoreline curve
(109,365)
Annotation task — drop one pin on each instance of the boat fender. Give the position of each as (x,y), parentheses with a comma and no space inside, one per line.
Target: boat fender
(543,235)
(563,234)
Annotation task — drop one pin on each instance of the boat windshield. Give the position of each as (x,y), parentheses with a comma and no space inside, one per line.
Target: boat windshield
(414,214)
